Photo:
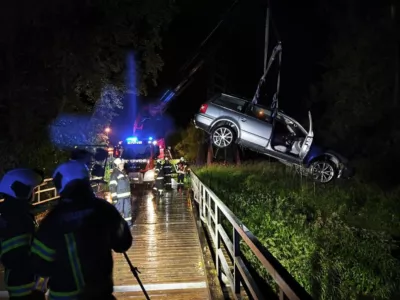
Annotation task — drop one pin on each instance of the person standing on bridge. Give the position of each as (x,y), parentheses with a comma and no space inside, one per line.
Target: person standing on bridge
(181,170)
(73,245)
(167,168)
(17,227)
(120,188)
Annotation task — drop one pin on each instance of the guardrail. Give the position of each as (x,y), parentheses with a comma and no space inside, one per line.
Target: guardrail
(44,192)
(211,211)
(47,192)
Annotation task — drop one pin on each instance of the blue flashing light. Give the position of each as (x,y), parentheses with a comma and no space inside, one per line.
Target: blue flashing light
(150,138)
(132,139)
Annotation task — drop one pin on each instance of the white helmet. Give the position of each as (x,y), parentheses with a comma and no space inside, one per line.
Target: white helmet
(19,183)
(182,159)
(69,171)
(118,161)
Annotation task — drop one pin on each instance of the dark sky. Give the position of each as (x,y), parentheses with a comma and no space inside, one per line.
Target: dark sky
(241,54)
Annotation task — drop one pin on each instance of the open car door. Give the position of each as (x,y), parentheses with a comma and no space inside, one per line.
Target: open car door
(305,148)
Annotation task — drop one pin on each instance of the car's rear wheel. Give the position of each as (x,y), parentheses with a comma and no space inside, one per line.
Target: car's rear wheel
(223,136)
(323,171)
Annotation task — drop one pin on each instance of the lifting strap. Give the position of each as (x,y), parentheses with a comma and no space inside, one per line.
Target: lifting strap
(274,105)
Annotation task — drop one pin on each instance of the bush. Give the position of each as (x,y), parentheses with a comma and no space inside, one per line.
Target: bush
(337,240)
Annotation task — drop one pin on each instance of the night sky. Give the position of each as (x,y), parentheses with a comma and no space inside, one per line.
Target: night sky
(241,53)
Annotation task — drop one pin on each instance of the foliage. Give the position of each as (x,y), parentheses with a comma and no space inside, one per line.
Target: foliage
(358,94)
(190,143)
(337,241)
(59,57)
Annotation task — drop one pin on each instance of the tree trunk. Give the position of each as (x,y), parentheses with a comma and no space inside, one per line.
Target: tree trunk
(210,153)
(237,155)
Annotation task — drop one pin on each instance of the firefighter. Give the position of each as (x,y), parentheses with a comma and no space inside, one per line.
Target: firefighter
(120,188)
(167,169)
(181,170)
(158,165)
(17,227)
(159,184)
(73,245)
(82,155)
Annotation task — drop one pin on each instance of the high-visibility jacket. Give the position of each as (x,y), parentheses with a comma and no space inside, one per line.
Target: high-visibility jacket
(120,186)
(16,233)
(72,247)
(158,166)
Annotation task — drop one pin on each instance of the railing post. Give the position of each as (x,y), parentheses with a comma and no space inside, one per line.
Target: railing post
(209,209)
(236,253)
(204,202)
(217,240)
(38,194)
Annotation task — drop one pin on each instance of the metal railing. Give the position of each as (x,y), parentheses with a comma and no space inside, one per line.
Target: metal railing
(44,192)
(211,212)
(47,192)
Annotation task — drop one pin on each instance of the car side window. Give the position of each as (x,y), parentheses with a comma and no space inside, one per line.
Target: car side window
(235,104)
(259,113)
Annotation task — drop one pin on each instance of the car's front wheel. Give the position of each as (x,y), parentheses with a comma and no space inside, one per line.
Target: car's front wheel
(223,136)
(323,171)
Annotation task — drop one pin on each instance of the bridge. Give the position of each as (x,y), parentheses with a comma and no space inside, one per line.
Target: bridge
(188,246)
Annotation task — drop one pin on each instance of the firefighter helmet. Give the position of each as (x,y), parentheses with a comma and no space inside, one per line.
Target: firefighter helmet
(69,171)
(19,183)
(118,161)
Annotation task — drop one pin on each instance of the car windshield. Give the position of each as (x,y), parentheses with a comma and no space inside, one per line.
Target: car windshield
(136,151)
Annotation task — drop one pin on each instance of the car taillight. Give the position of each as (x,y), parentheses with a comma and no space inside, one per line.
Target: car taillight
(203,108)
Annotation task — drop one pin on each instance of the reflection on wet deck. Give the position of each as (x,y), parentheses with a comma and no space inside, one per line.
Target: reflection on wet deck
(166,250)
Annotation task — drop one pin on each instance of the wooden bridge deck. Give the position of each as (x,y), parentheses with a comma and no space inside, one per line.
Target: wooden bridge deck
(166,250)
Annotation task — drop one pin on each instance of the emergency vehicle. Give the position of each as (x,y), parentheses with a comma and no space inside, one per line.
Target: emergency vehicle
(140,156)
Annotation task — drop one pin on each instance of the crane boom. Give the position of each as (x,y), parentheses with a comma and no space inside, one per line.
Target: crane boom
(197,61)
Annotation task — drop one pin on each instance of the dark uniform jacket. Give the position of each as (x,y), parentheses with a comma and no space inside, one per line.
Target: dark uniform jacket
(120,186)
(16,233)
(73,248)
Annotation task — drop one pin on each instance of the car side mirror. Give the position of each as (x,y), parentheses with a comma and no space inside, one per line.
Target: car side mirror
(98,171)
(101,154)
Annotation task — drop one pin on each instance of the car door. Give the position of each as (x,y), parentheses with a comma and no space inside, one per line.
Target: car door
(255,126)
(305,148)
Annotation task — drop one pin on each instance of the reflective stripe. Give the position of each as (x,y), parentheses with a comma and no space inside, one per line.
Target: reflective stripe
(15,242)
(128,218)
(124,195)
(20,290)
(43,251)
(74,261)
(113,194)
(41,284)
(160,177)
(63,295)
(120,176)
(113,182)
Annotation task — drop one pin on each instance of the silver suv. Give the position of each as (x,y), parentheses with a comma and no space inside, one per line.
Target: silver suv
(230,119)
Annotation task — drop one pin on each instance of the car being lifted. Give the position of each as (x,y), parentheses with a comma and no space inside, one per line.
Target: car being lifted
(230,119)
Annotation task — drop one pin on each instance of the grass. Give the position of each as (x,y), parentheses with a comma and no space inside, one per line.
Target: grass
(337,240)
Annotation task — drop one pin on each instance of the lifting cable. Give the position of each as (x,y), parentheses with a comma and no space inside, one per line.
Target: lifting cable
(277,51)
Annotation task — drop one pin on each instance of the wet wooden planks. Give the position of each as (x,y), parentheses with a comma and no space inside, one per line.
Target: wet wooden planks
(166,251)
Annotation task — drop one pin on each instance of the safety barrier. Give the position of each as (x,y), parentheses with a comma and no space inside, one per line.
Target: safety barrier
(47,192)
(212,211)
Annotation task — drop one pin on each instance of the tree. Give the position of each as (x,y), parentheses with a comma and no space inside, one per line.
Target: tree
(61,55)
(356,92)
(190,143)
